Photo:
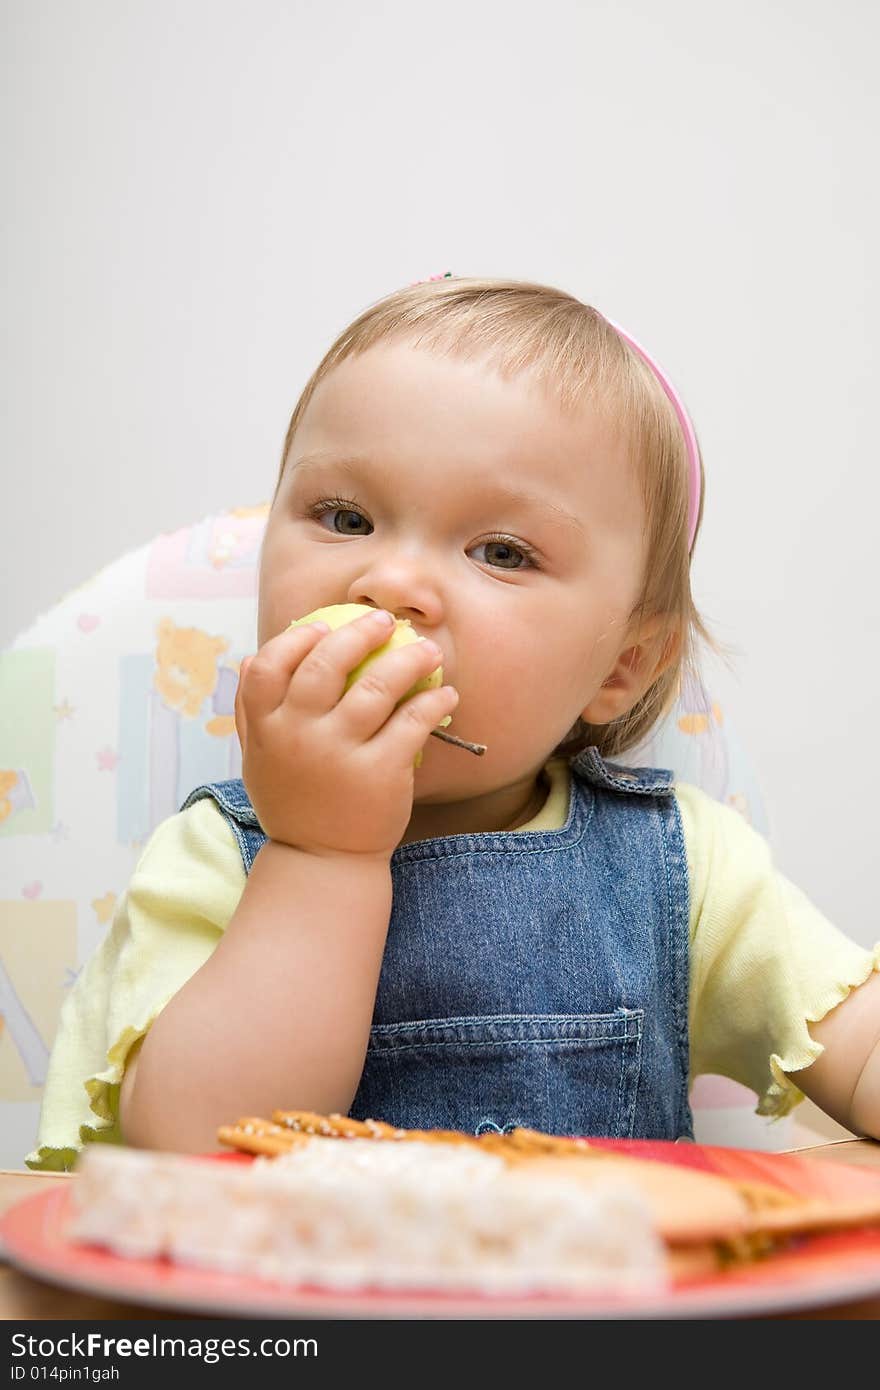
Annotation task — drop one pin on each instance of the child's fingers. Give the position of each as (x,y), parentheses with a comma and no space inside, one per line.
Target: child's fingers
(379,690)
(264,684)
(239,717)
(409,727)
(320,679)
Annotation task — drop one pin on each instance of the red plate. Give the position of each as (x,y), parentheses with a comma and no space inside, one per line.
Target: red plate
(820,1270)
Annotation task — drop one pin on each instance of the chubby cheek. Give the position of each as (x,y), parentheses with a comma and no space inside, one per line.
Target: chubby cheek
(517,696)
(284,592)
(282,605)
(274,606)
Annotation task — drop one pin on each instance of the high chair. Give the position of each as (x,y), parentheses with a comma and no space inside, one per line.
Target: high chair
(114,705)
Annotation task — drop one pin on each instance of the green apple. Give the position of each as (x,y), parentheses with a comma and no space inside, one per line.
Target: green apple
(338,614)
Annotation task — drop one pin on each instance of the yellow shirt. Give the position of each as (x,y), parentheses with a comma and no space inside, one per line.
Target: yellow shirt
(763,962)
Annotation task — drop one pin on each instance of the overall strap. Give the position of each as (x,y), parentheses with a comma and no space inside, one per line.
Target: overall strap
(616,777)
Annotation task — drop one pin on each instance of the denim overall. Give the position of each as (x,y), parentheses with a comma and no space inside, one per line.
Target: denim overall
(535,978)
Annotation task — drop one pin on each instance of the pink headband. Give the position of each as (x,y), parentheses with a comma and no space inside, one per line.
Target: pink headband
(683,419)
(678,405)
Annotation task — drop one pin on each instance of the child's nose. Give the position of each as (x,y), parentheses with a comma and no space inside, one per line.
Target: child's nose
(415,594)
(405,573)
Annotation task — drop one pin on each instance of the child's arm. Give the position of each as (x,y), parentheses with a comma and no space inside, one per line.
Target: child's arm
(845,1080)
(278,1016)
(766,963)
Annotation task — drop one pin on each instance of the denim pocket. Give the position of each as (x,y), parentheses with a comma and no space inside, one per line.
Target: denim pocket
(560,1073)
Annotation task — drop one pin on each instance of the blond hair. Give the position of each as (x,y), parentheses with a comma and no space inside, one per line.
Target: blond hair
(524,328)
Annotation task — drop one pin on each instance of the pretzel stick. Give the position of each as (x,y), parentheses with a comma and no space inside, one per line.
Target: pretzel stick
(528,1142)
(519,1142)
(335,1126)
(343,1127)
(255,1136)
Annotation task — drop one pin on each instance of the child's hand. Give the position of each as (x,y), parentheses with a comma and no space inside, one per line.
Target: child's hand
(330,773)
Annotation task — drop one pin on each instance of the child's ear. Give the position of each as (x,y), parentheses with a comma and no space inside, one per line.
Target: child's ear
(639,664)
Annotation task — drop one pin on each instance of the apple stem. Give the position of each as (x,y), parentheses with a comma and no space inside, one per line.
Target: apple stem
(478,748)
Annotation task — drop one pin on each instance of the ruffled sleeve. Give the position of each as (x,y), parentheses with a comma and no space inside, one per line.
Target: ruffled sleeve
(181,896)
(765,962)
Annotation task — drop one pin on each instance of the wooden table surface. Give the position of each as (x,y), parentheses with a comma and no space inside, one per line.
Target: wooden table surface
(22,1297)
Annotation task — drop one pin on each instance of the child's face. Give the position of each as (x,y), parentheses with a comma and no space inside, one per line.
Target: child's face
(434,534)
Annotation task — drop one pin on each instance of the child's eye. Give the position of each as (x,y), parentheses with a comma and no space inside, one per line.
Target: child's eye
(337,504)
(348,509)
(507,545)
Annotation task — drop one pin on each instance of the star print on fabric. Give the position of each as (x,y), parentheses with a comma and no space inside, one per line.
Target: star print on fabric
(64,711)
(108,760)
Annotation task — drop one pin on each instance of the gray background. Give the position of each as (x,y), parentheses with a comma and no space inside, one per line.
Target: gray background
(200,194)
